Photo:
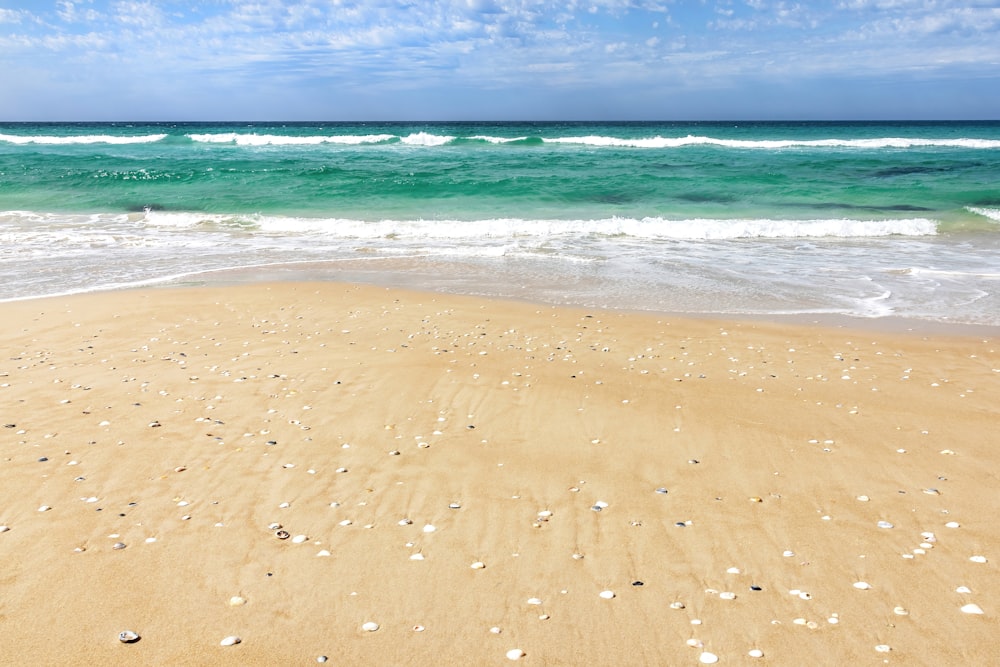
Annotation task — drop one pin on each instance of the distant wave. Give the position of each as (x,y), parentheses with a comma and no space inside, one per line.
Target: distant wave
(288,140)
(428,139)
(771,144)
(502,228)
(82,139)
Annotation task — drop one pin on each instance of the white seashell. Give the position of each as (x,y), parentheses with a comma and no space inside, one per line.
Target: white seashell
(883,648)
(900,611)
(237,601)
(44,508)
(4,529)
(963,589)
(805,596)
(799,621)
(952,524)
(787,553)
(694,643)
(733,570)
(478,565)
(515,654)
(534,601)
(117,546)
(884,524)
(676,605)
(369,626)
(454,506)
(545,514)
(495,630)
(405,522)
(282,534)
(726,595)
(345,522)
(863,498)
(972,608)
(323,552)
(601,504)
(417,557)
(833,620)
(607,595)
(755,653)
(707,658)
(231,640)
(978,559)
(299,539)
(862,585)
(274,526)
(429,528)
(128,637)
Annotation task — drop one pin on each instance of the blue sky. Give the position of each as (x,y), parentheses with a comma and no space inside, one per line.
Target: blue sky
(497,59)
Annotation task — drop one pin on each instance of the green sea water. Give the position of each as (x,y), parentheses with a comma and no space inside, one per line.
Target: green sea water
(668,206)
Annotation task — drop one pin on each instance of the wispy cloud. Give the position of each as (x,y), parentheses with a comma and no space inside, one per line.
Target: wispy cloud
(229,52)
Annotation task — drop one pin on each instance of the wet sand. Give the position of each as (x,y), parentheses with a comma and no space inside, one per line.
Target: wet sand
(631,488)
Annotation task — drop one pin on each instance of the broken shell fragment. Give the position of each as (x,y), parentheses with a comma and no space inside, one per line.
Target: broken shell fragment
(128,637)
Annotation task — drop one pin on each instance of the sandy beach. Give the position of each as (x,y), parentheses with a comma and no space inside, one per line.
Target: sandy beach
(384,477)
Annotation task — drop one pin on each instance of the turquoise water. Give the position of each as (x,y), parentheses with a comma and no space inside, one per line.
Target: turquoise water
(864,219)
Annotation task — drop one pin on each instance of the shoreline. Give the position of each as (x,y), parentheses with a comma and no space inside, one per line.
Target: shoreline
(477,476)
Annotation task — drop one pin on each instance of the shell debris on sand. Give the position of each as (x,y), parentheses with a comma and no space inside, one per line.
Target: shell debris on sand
(128,637)
(515,654)
(231,640)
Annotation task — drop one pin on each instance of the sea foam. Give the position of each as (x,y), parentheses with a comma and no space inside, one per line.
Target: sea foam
(82,139)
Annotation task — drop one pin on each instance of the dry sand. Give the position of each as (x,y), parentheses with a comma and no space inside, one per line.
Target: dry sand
(407,436)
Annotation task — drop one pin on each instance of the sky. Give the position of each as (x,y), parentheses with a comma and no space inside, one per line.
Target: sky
(498,60)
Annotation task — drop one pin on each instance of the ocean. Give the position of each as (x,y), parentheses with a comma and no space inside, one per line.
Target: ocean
(758,219)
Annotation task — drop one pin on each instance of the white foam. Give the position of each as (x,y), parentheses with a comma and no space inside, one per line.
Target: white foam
(504,228)
(772,144)
(991,213)
(82,139)
(497,140)
(241,139)
(425,139)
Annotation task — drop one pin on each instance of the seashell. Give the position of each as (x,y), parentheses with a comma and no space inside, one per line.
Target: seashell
(544,617)
(932,492)
(863,498)
(231,640)
(534,601)
(128,637)
(676,605)
(733,570)
(662,490)
(884,524)
(607,595)
(694,643)
(299,539)
(601,504)
(788,553)
(323,552)
(417,557)
(755,653)
(44,508)
(963,589)
(972,608)
(369,626)
(282,534)
(726,595)
(978,559)
(274,526)
(4,529)
(495,630)
(237,601)
(118,546)
(478,565)
(429,528)
(345,522)
(322,658)
(418,628)
(515,654)
(862,585)
(883,648)
(454,506)
(805,596)
(708,658)
(545,514)
(952,524)
(405,522)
